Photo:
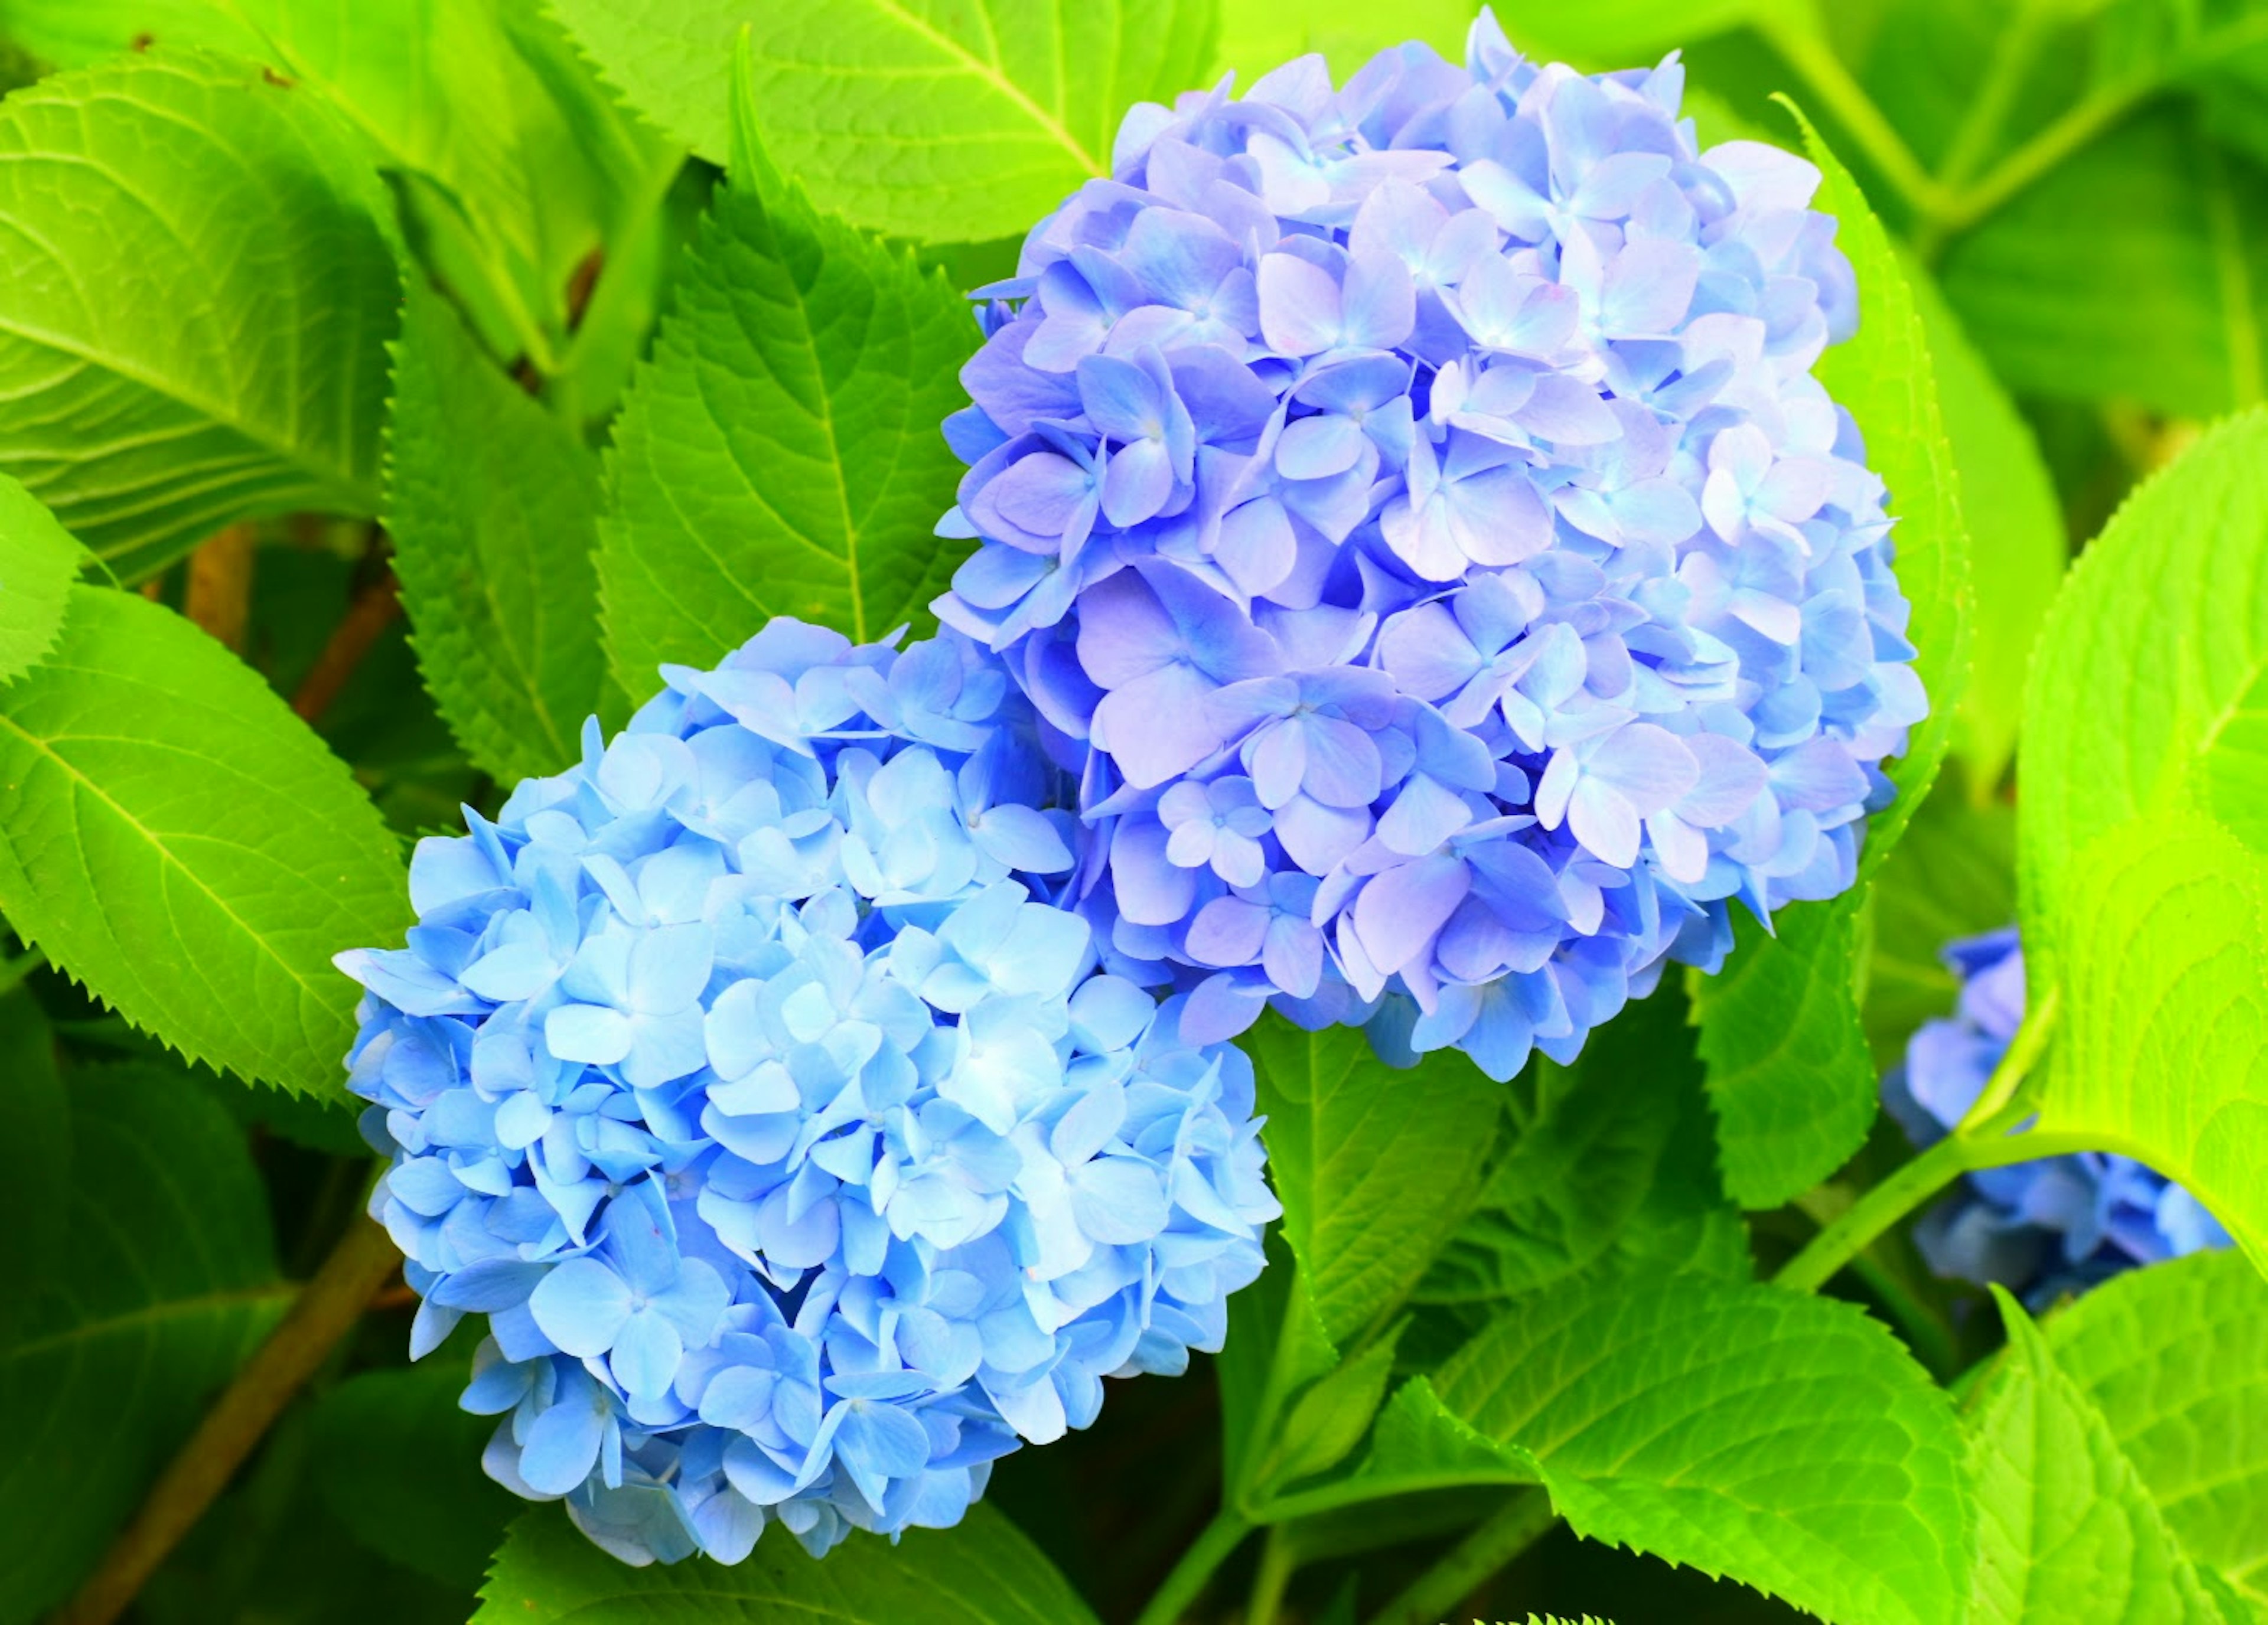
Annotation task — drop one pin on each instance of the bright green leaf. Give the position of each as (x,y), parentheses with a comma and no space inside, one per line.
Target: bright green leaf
(2139,909)
(166,1281)
(71,33)
(175,839)
(1789,1071)
(1614,1156)
(493,506)
(1258,35)
(980,1572)
(2066,1530)
(2017,552)
(781,453)
(1420,1444)
(39,559)
(195,301)
(935,120)
(2175,1357)
(397,1462)
(1789,1442)
(1626,33)
(1375,1166)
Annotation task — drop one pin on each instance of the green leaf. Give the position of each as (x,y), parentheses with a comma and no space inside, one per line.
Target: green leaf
(1329,1419)
(397,1462)
(781,453)
(1953,876)
(39,559)
(2140,912)
(2175,1359)
(1257,35)
(1615,1157)
(2167,311)
(2008,498)
(1789,1071)
(35,1203)
(942,120)
(1789,1442)
(195,301)
(1375,1166)
(166,1283)
(1618,33)
(516,168)
(71,33)
(493,506)
(982,1572)
(1419,1443)
(2066,1530)
(175,839)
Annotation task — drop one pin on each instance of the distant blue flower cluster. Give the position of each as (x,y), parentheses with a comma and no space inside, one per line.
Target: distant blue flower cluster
(2044,1228)
(798,1156)
(1413,507)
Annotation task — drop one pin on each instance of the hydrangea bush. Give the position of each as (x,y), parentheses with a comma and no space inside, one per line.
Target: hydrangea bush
(737,741)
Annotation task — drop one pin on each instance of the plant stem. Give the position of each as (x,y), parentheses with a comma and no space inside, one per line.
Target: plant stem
(1505,1533)
(373,611)
(1211,1549)
(218,594)
(1278,1560)
(324,1311)
(1795,34)
(1909,1187)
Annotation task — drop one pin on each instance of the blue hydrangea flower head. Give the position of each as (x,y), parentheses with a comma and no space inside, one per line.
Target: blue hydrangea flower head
(2041,1229)
(1411,506)
(747,1079)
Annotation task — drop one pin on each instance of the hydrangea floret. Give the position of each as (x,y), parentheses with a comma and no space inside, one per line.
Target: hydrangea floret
(2041,1229)
(747,1079)
(1412,507)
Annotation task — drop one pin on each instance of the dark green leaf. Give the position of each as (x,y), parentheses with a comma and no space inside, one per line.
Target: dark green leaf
(982,1572)
(39,559)
(1614,1157)
(493,505)
(1787,1442)
(2167,310)
(399,1463)
(167,1282)
(1789,1071)
(781,453)
(195,301)
(1953,876)
(1375,1166)
(36,1204)
(943,122)
(175,839)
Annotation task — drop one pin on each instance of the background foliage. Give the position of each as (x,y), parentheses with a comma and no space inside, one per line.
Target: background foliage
(390,386)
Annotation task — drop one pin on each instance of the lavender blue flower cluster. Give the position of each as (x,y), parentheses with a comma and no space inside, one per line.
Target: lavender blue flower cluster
(2041,1228)
(800,1158)
(1413,508)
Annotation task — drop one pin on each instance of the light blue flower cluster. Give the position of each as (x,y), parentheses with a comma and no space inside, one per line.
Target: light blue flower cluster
(1413,505)
(2041,1229)
(802,1162)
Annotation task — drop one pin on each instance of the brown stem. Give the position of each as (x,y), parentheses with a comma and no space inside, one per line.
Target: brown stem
(373,611)
(324,1311)
(218,597)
